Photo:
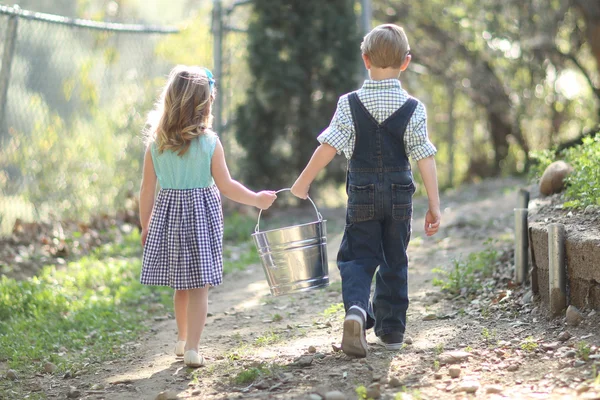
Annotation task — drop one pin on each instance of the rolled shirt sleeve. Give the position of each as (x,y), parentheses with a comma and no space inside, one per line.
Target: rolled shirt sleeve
(341,129)
(418,145)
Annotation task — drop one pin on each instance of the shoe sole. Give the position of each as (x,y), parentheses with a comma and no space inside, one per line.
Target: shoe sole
(193,363)
(392,346)
(353,339)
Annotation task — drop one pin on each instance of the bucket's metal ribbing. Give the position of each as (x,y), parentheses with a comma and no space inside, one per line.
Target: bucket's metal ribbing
(294,258)
(557,271)
(521,245)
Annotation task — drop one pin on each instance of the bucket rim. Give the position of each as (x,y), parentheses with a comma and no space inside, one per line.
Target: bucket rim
(289,227)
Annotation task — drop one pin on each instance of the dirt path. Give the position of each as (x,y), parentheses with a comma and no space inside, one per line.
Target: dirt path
(513,351)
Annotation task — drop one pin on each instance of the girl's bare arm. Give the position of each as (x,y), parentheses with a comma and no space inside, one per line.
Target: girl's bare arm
(234,190)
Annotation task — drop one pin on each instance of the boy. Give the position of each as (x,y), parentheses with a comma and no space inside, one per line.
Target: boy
(378,127)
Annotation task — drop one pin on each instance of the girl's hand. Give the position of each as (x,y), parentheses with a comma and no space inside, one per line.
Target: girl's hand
(300,190)
(432,221)
(144,236)
(265,199)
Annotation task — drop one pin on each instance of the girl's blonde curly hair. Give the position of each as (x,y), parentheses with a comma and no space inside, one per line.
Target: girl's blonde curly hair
(183,111)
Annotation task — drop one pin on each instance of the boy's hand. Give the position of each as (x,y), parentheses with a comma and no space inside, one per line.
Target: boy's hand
(300,190)
(265,199)
(432,221)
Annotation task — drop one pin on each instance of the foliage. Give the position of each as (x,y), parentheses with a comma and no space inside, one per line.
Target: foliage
(296,83)
(238,227)
(529,345)
(583,185)
(499,78)
(467,275)
(73,169)
(583,350)
(540,160)
(361,392)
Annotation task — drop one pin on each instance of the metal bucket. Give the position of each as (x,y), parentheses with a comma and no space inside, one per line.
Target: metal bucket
(294,258)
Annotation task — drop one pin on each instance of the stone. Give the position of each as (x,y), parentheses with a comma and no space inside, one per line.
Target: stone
(314,396)
(570,354)
(395,382)
(564,336)
(35,387)
(454,357)
(261,385)
(494,389)
(167,395)
(304,361)
(468,387)
(578,363)
(374,391)
(12,375)
(438,375)
(312,349)
(335,395)
(50,368)
(512,367)
(454,372)
(408,340)
(74,393)
(550,346)
(574,316)
(553,178)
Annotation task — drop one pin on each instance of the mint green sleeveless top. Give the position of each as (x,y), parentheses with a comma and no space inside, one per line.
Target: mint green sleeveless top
(190,171)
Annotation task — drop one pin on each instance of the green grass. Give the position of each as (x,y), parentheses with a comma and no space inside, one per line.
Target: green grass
(238,227)
(267,339)
(82,313)
(252,374)
(529,345)
(583,351)
(334,309)
(238,258)
(86,312)
(468,274)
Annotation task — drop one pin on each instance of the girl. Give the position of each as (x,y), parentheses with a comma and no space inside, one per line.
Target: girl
(182,232)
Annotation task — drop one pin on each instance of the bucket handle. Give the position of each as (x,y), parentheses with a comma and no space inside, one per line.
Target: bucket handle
(319,216)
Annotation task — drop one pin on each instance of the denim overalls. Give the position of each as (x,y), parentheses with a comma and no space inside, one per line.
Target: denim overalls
(380,187)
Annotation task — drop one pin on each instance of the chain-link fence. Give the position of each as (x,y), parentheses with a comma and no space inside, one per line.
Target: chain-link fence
(73,99)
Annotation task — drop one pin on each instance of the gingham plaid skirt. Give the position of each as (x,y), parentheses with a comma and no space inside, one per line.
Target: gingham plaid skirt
(184,247)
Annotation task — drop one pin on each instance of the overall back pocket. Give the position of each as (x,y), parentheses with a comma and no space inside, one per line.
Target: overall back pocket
(402,201)
(361,203)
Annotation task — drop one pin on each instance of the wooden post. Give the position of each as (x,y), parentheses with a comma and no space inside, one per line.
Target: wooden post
(521,245)
(7,58)
(557,273)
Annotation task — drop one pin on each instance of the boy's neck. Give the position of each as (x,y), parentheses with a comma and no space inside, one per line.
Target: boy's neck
(380,74)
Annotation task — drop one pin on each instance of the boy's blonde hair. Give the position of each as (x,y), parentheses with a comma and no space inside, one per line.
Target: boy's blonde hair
(183,111)
(386,46)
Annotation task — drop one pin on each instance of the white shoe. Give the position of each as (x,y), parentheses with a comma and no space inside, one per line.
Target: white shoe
(193,359)
(180,348)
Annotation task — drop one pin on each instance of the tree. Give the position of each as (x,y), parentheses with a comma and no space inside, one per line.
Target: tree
(507,60)
(302,56)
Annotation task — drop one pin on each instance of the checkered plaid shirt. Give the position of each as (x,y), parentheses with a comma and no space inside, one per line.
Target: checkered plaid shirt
(381,99)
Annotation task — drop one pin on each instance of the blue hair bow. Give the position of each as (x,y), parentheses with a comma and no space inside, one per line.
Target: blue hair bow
(211,80)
